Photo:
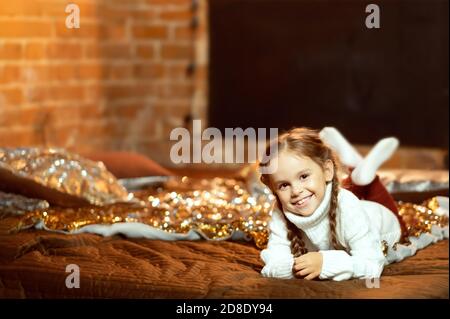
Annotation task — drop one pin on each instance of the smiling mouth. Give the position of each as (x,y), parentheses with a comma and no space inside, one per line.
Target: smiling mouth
(302,201)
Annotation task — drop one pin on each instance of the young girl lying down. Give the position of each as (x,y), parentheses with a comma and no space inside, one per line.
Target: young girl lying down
(322,229)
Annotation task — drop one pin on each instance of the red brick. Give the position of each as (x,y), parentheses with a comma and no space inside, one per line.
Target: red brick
(12,96)
(93,93)
(145,52)
(63,72)
(115,51)
(173,90)
(111,51)
(176,15)
(27,29)
(92,51)
(177,52)
(149,71)
(144,15)
(34,51)
(176,72)
(183,33)
(119,91)
(113,14)
(37,94)
(168,108)
(10,51)
(89,111)
(114,32)
(119,71)
(91,71)
(126,111)
(66,114)
(150,32)
(64,50)
(9,74)
(36,74)
(65,92)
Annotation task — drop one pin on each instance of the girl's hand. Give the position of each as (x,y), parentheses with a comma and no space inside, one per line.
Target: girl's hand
(309,265)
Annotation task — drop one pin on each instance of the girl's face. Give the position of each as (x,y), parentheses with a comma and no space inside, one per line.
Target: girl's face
(300,183)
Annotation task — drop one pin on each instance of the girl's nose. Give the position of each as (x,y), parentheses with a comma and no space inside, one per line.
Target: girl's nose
(296,190)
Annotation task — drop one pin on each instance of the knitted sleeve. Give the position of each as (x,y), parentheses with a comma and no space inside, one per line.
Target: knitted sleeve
(365,258)
(277,256)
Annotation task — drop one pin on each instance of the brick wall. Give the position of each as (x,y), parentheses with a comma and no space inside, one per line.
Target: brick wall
(131,72)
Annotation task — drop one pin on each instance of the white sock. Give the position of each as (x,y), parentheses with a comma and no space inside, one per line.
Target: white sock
(365,172)
(348,155)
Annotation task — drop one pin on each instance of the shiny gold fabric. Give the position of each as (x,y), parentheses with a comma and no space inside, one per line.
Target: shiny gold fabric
(420,218)
(13,204)
(215,208)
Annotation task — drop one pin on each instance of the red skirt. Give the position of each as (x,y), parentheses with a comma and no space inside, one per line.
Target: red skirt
(376,192)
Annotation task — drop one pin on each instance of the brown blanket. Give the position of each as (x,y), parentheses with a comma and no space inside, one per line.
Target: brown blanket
(33,265)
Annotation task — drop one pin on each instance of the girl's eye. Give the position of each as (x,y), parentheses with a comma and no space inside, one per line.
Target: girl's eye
(282,186)
(304,176)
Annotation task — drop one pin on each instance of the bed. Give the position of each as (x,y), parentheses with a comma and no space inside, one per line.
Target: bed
(33,264)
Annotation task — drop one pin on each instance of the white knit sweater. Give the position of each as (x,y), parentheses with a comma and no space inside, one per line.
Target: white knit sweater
(361,228)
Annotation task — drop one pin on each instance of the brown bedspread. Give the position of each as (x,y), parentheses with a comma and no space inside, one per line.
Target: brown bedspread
(33,264)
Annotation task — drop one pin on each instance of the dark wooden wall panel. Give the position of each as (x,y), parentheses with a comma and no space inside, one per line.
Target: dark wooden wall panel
(284,63)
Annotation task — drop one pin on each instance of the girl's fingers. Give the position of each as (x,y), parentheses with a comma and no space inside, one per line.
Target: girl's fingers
(311,276)
(305,272)
(299,266)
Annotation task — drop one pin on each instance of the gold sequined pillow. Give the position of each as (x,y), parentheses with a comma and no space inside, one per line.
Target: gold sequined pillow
(60,177)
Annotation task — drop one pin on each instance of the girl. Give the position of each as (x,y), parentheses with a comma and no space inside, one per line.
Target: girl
(323,230)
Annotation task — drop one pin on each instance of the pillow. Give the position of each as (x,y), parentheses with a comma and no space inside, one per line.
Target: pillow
(128,164)
(60,177)
(415,185)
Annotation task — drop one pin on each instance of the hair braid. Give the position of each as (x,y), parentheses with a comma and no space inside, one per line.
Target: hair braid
(333,209)
(294,234)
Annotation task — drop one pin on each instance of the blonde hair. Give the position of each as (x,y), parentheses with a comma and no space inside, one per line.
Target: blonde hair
(306,142)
